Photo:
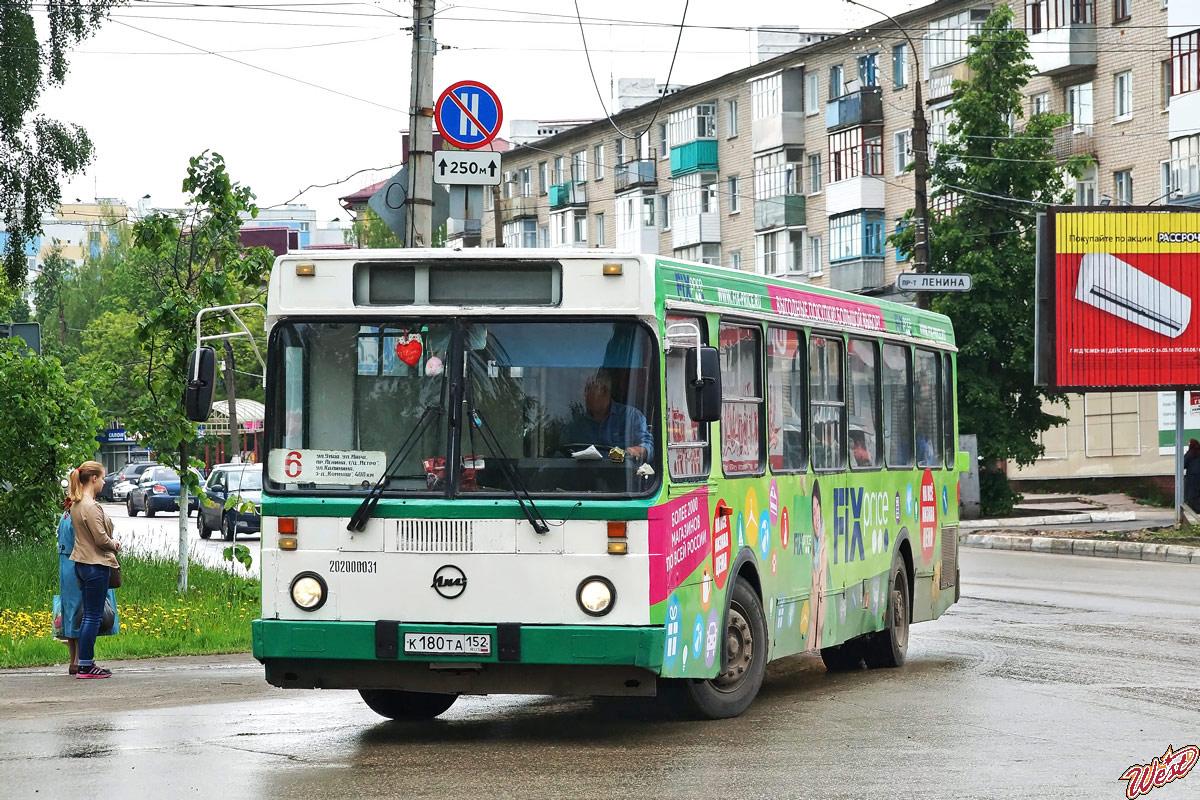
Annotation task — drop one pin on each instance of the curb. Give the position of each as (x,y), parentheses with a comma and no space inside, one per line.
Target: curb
(1098,548)
(1052,519)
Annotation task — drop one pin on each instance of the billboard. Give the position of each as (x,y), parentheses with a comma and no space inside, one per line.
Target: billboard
(1117,292)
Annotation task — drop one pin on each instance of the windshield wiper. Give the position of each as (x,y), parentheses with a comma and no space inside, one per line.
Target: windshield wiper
(367,508)
(515,483)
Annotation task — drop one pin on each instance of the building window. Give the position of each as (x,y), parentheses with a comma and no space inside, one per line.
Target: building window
(542,184)
(1079,107)
(1111,424)
(814,173)
(902,142)
(664,210)
(1185,166)
(543,236)
(1123,95)
(1121,10)
(1165,88)
(735,260)
(703,253)
(579,227)
(867,75)
(695,194)
(946,41)
(1123,183)
(835,82)
(599,231)
(858,151)
(900,66)
(526,175)
(521,233)
(812,93)
(598,161)
(858,234)
(779,252)
(692,123)
(1041,103)
(735,201)
(1085,187)
(741,400)
(766,97)
(579,168)
(776,174)
(664,144)
(901,255)
(560,175)
(816,255)
(731,118)
(1185,63)
(1042,15)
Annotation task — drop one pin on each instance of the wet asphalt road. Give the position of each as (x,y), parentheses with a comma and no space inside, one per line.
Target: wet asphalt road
(1052,675)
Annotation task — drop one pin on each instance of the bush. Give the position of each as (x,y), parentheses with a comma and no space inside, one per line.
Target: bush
(47,427)
(996,497)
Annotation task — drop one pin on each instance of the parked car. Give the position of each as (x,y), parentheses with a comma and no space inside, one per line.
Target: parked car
(127,475)
(241,481)
(157,490)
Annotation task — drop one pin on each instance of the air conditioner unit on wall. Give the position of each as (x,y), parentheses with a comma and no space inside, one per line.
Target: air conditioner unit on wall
(1111,285)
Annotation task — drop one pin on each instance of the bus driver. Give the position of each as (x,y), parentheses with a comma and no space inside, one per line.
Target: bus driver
(609,424)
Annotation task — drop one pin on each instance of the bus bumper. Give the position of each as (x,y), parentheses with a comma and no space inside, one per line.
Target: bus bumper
(525,659)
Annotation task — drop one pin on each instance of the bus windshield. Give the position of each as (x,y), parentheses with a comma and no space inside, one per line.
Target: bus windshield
(565,407)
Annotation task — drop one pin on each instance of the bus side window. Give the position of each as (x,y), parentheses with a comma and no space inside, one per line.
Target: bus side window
(741,400)
(827,398)
(928,406)
(787,440)
(687,440)
(949,439)
(897,405)
(863,408)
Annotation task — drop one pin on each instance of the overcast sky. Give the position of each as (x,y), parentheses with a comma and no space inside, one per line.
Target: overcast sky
(150,103)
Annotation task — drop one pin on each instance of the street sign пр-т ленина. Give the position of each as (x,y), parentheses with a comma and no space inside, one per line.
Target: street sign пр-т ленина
(933,282)
(468,115)
(466,167)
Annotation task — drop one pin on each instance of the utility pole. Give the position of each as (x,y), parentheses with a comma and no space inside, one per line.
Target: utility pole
(497,217)
(420,128)
(920,136)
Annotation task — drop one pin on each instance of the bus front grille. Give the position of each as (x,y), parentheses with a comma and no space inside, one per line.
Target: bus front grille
(435,536)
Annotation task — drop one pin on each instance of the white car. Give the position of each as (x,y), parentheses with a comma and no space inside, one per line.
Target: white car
(121,490)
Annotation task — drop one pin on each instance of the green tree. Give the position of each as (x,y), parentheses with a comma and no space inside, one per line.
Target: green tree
(369,231)
(48,294)
(994,178)
(193,262)
(36,153)
(110,353)
(47,426)
(18,311)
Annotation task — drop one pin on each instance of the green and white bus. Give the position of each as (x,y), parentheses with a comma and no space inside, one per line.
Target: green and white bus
(589,473)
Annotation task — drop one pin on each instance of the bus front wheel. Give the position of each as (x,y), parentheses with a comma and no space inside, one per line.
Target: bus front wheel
(889,647)
(732,691)
(406,706)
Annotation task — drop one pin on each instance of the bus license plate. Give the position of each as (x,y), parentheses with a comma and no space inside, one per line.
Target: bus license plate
(449,644)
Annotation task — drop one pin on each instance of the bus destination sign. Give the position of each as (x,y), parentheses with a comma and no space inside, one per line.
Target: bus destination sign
(933,282)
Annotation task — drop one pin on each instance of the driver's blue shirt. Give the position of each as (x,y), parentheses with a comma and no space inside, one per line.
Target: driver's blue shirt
(624,427)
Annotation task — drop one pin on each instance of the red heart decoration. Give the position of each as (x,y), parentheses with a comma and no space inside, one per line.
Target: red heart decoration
(409,350)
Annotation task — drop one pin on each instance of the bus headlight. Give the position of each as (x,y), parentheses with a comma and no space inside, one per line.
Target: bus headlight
(308,591)
(596,596)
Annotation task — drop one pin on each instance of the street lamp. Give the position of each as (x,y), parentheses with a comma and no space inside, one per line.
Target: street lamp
(920,160)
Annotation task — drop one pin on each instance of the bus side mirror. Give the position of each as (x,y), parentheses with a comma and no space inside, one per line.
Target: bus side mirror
(702,371)
(202,376)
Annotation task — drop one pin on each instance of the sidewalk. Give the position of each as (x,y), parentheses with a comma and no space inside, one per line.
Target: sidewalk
(1105,526)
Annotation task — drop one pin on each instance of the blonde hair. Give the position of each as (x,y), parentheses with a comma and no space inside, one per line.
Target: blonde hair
(86,471)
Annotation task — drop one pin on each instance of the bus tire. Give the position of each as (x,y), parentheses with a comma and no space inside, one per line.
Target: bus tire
(731,692)
(889,647)
(406,706)
(845,657)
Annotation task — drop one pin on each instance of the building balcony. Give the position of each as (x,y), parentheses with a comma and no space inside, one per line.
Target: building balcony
(1065,48)
(643,239)
(1073,140)
(857,274)
(696,156)
(697,229)
(785,129)
(565,195)
(518,208)
(781,211)
(634,174)
(852,194)
(941,80)
(864,107)
(1183,115)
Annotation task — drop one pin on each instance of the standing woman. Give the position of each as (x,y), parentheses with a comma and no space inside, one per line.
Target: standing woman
(94,555)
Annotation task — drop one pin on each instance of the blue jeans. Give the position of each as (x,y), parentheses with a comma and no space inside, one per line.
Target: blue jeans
(94,581)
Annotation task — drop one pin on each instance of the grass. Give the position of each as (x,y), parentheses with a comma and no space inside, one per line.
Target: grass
(214,616)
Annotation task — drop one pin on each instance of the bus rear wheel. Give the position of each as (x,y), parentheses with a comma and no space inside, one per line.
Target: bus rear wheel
(732,691)
(406,706)
(889,647)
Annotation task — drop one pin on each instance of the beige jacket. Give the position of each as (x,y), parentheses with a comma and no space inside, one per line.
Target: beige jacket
(93,535)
